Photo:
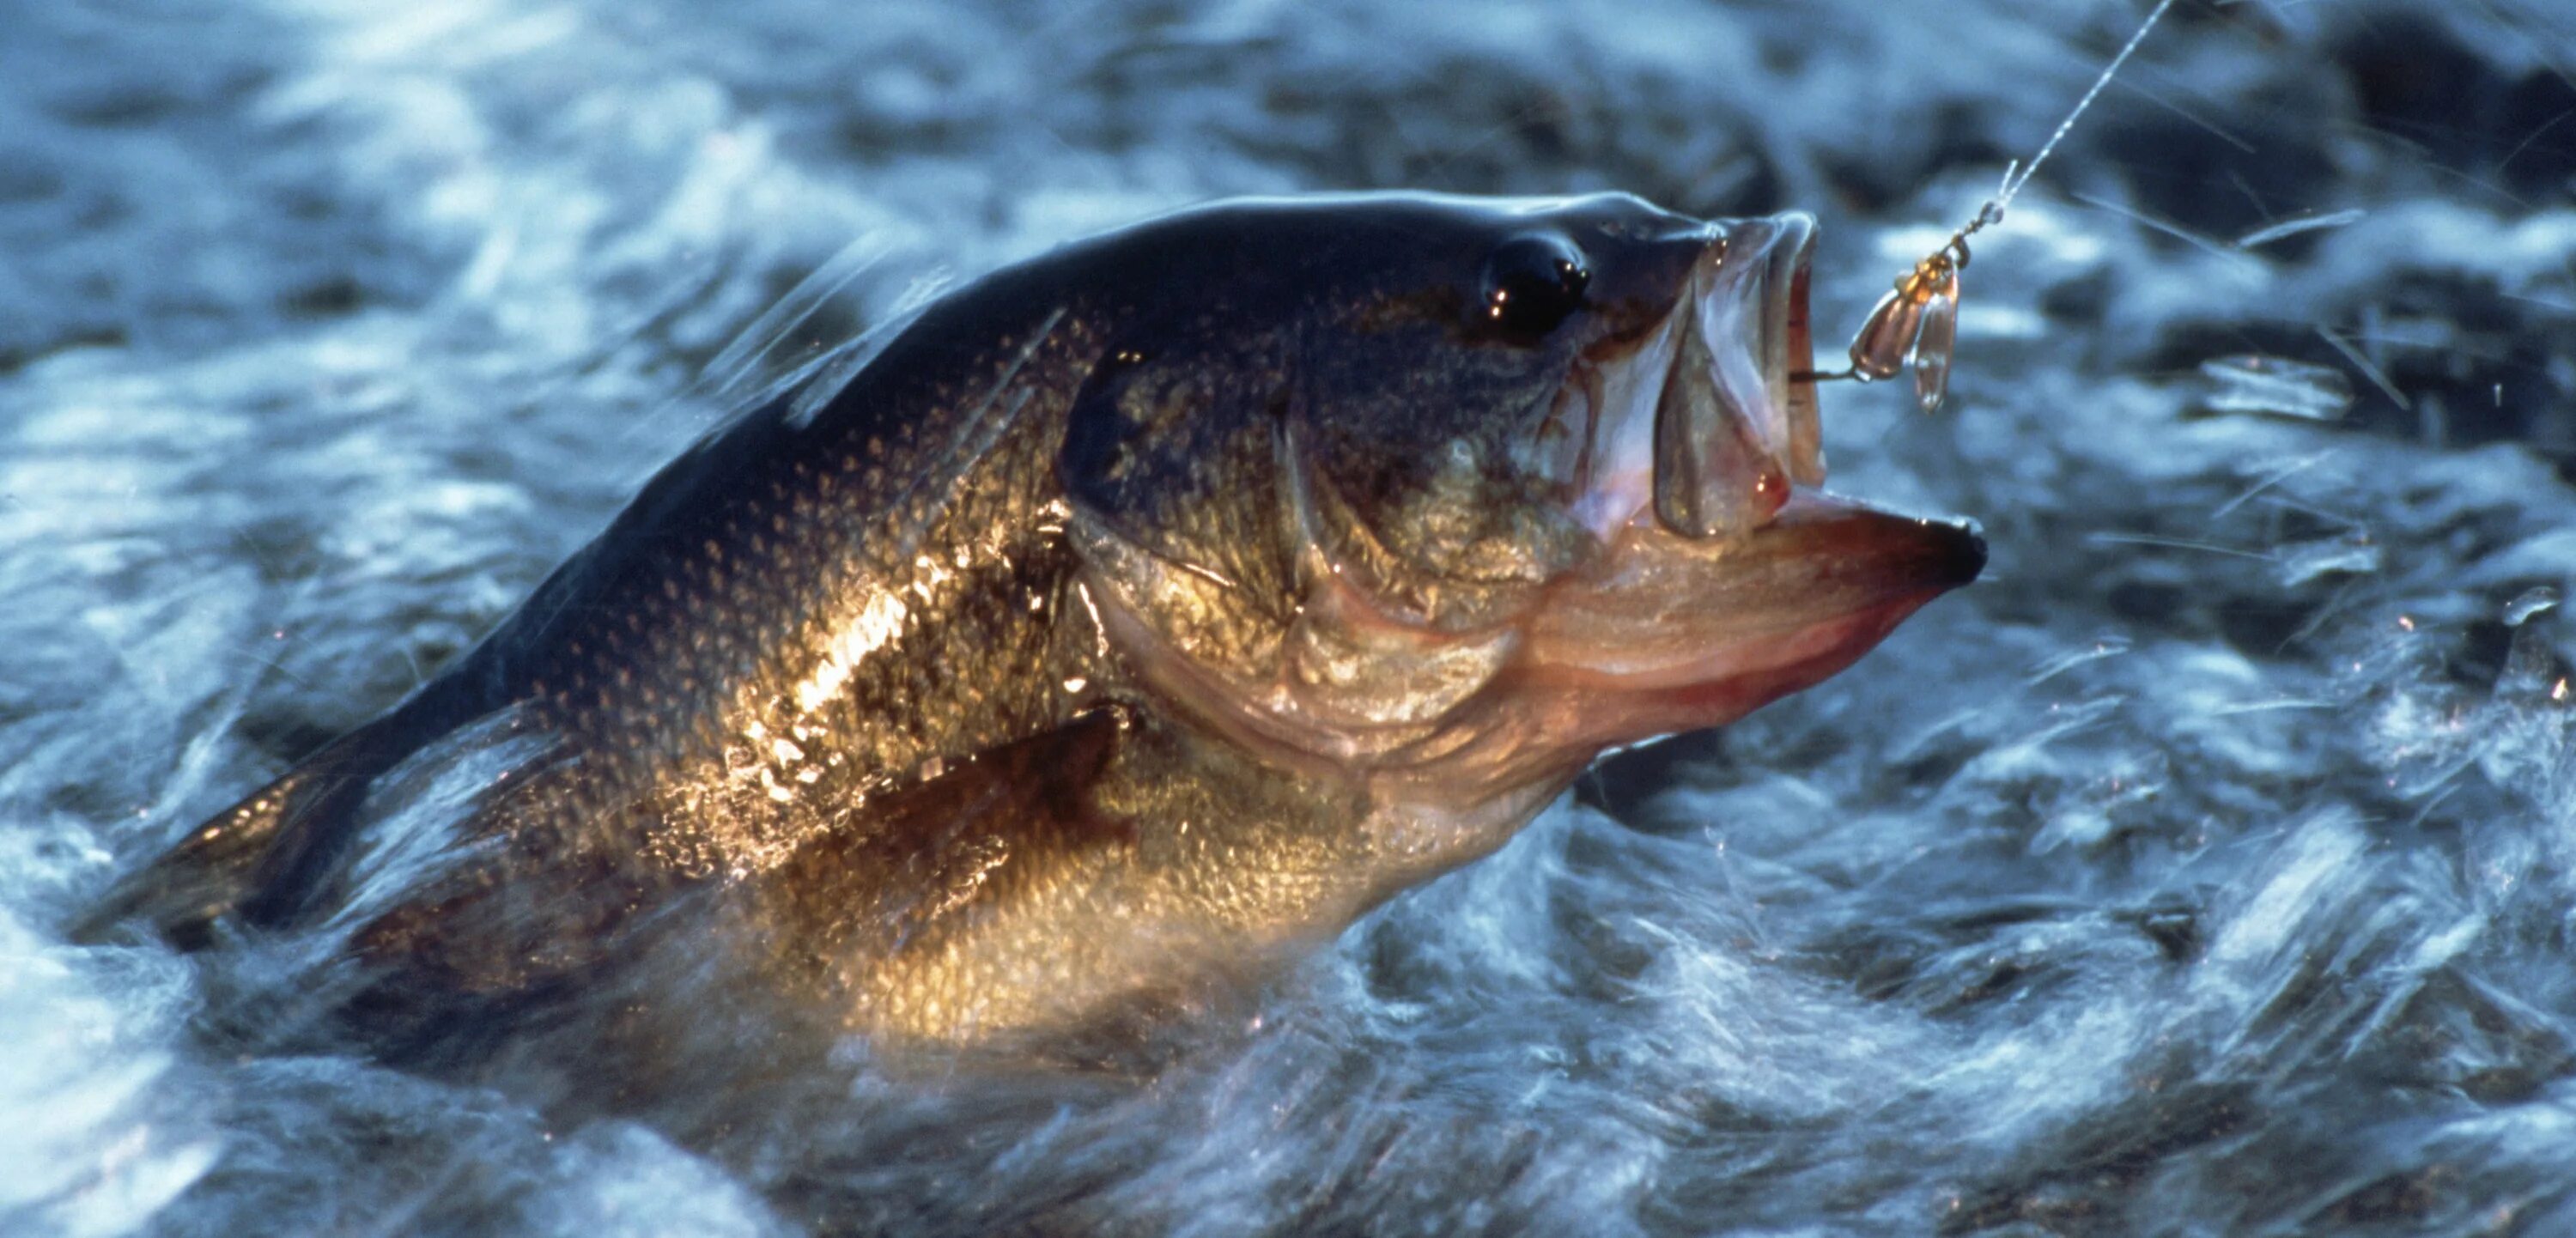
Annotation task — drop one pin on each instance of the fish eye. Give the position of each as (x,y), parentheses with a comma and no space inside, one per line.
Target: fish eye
(1533,283)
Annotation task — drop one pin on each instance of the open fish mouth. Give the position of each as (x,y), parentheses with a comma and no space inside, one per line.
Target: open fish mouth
(1728,579)
(1709,420)
(1732,431)
(1750,294)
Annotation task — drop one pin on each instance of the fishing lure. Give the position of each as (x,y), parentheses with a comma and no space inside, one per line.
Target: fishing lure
(1916,325)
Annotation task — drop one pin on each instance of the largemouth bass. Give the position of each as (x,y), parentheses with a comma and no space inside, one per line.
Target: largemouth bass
(1138,616)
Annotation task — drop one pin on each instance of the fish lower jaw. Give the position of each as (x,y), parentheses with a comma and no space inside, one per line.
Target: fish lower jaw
(1622,696)
(1541,722)
(1673,633)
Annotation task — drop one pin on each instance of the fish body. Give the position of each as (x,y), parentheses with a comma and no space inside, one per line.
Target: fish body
(1139,615)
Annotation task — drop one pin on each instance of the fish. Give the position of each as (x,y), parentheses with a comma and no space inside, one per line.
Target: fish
(1135,619)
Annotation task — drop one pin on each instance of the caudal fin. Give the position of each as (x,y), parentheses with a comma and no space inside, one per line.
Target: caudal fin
(230,864)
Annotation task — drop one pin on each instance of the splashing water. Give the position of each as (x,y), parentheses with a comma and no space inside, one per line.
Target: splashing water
(2207,869)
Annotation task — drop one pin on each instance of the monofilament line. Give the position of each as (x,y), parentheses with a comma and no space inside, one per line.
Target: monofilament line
(1915,325)
(2012,182)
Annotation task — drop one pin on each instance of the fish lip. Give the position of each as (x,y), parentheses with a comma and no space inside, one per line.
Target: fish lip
(1787,323)
(1750,310)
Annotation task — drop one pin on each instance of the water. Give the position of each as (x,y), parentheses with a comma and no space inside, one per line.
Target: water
(2207,869)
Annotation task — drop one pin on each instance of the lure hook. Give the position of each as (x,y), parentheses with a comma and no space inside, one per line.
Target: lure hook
(1916,324)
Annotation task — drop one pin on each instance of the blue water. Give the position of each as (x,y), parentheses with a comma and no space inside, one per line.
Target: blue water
(2208,869)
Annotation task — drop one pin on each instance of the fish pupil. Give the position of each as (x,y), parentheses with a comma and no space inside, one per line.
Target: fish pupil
(1533,284)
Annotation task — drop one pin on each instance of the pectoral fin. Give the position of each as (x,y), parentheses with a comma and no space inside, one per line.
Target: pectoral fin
(948,846)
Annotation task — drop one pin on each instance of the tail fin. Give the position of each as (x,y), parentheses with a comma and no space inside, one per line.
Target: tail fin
(232,864)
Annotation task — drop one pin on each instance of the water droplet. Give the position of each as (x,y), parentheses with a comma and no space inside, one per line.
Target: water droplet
(2275,386)
(2298,564)
(2532,602)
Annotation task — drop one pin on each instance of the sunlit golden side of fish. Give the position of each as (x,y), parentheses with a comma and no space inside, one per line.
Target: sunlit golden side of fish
(1141,613)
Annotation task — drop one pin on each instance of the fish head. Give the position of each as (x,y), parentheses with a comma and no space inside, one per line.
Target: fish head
(1459,492)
